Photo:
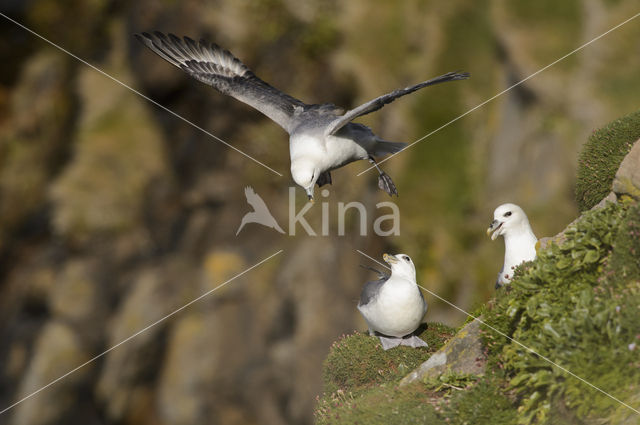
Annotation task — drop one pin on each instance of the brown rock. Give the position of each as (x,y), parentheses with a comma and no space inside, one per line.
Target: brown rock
(627,180)
(57,351)
(463,354)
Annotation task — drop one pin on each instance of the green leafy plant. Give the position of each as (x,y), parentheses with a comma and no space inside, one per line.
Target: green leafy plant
(450,381)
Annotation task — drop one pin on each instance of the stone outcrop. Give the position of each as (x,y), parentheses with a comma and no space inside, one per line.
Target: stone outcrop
(463,354)
(627,180)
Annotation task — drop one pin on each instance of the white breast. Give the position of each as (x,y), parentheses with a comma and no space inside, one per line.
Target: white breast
(327,152)
(398,309)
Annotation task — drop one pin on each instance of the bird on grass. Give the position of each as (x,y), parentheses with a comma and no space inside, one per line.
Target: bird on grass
(321,136)
(393,306)
(510,222)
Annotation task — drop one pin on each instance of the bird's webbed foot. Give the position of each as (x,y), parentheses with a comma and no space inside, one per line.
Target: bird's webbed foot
(324,178)
(389,342)
(384,181)
(413,341)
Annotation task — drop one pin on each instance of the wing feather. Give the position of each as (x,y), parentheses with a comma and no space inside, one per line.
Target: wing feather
(217,67)
(379,102)
(371,291)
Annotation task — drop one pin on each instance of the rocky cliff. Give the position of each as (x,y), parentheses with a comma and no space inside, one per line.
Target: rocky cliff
(114,213)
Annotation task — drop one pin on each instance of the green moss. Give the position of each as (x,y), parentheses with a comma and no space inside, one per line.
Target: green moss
(385,404)
(463,400)
(483,403)
(562,306)
(358,359)
(623,264)
(601,157)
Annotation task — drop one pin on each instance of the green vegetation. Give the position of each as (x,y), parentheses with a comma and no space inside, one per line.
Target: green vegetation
(382,404)
(361,386)
(484,403)
(601,156)
(358,360)
(565,308)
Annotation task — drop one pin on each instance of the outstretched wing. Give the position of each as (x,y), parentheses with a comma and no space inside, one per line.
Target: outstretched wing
(217,67)
(379,102)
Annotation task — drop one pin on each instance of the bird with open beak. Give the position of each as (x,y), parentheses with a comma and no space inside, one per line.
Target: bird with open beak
(510,222)
(393,306)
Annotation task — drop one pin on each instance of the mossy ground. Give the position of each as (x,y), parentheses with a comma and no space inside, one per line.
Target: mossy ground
(361,387)
(601,157)
(358,359)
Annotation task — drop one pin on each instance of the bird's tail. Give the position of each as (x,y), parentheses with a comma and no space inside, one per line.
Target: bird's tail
(384,147)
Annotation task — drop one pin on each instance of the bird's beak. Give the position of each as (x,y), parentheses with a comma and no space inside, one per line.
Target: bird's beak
(494,227)
(310,194)
(389,259)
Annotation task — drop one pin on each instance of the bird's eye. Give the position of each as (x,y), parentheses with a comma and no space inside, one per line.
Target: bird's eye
(507,214)
(407,259)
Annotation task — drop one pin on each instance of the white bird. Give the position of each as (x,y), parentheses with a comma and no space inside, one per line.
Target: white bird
(510,221)
(260,213)
(321,137)
(393,306)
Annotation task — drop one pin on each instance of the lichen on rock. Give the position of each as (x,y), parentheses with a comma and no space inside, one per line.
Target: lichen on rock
(462,354)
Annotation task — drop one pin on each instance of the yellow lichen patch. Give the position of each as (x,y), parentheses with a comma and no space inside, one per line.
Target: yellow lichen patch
(220,266)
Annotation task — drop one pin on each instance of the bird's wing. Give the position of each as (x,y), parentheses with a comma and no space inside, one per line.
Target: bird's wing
(370,291)
(217,67)
(379,102)
(381,275)
(499,279)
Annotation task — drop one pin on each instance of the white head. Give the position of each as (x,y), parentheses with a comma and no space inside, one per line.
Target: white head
(401,265)
(506,218)
(305,174)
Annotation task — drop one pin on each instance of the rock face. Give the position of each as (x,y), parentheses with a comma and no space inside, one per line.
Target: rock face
(462,354)
(113,212)
(627,180)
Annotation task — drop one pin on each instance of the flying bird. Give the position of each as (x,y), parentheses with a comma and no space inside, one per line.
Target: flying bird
(321,136)
(510,222)
(393,306)
(260,213)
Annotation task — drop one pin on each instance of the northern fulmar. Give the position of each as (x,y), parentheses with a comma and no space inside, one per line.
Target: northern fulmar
(321,136)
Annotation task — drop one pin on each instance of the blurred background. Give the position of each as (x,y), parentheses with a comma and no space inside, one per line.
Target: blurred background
(114,213)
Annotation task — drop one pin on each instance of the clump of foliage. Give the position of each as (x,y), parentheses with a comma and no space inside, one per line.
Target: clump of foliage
(566,307)
(624,263)
(601,157)
(358,359)
(451,399)
(484,403)
(361,386)
(383,404)
(450,379)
